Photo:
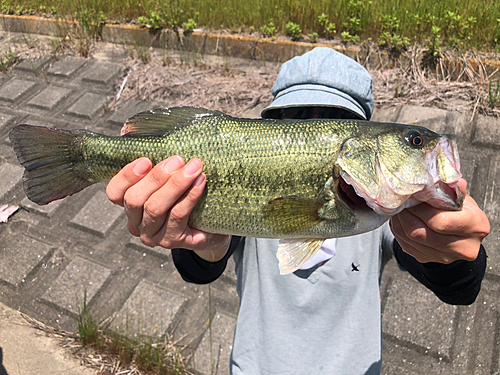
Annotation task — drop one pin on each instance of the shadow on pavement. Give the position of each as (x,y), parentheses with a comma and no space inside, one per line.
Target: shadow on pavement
(3,371)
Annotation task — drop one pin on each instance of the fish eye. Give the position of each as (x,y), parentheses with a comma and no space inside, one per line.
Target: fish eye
(415,139)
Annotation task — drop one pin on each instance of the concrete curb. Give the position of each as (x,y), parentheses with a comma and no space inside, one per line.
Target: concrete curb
(226,45)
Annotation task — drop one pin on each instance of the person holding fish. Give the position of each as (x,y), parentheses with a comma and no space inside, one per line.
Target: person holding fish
(325,316)
(336,199)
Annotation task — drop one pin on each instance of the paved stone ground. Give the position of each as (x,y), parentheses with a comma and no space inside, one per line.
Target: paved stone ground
(50,255)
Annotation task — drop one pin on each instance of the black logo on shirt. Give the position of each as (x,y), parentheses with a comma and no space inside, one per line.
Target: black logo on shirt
(354,267)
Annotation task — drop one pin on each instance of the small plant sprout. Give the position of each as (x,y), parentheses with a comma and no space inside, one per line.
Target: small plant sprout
(494,93)
(328,28)
(269,29)
(188,26)
(434,43)
(8,59)
(293,30)
(150,354)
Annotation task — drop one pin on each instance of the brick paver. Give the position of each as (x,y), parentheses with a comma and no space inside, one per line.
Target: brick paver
(88,105)
(149,310)
(15,89)
(67,67)
(98,215)
(11,175)
(101,73)
(80,277)
(19,256)
(49,98)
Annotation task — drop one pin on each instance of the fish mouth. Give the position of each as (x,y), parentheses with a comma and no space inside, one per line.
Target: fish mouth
(439,188)
(348,195)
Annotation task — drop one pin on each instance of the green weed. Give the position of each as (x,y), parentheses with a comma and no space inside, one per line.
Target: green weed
(313,37)
(391,36)
(143,53)
(434,43)
(143,21)
(188,26)
(458,30)
(56,46)
(88,28)
(494,94)
(7,59)
(347,37)
(87,326)
(154,21)
(148,354)
(458,20)
(355,10)
(293,30)
(269,29)
(497,33)
(29,41)
(7,8)
(327,27)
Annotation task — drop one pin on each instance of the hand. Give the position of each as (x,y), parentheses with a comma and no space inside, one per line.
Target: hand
(433,235)
(158,202)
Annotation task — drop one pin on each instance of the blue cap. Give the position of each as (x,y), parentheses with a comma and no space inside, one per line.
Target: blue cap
(323,77)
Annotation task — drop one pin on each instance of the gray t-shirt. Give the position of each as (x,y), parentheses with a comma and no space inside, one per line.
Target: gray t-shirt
(320,321)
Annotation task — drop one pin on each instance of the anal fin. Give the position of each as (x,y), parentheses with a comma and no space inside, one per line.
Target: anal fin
(293,253)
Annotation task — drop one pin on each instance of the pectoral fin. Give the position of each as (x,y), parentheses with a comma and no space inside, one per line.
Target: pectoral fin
(292,254)
(291,214)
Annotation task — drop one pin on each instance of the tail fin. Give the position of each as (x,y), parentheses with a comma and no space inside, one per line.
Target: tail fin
(50,158)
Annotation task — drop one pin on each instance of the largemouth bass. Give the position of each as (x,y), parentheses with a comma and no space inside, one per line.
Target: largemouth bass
(301,181)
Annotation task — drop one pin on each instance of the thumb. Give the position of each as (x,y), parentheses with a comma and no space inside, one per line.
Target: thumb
(462,185)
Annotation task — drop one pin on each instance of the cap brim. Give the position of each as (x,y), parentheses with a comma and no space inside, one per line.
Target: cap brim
(313,95)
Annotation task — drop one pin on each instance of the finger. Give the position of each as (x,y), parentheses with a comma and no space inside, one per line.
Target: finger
(179,214)
(419,232)
(157,206)
(462,185)
(211,247)
(446,222)
(136,197)
(172,225)
(428,246)
(420,256)
(399,234)
(462,223)
(175,227)
(409,226)
(126,178)
(175,231)
(207,241)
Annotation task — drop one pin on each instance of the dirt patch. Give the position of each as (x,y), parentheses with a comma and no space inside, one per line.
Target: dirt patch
(233,90)
(234,86)
(210,83)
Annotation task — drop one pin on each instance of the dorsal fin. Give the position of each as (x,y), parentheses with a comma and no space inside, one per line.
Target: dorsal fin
(163,121)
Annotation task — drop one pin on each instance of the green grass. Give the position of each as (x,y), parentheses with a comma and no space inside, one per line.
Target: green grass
(7,59)
(151,355)
(462,23)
